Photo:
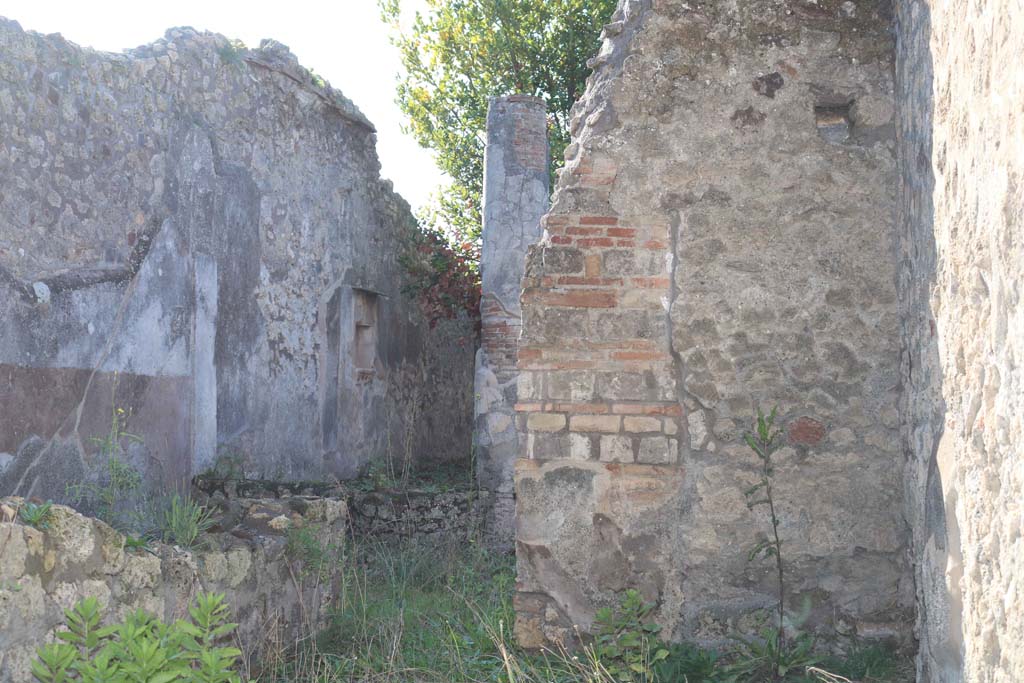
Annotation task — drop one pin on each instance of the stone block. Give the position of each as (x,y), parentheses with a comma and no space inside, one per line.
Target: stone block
(548,445)
(581,446)
(658,450)
(563,260)
(594,423)
(641,424)
(616,448)
(571,385)
(545,422)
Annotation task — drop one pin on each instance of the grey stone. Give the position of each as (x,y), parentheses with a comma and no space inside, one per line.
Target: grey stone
(193,256)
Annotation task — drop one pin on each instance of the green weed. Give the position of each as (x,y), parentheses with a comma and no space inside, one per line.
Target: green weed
(625,642)
(36,514)
(185,521)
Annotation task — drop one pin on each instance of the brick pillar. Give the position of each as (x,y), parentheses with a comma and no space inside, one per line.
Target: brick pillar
(516,194)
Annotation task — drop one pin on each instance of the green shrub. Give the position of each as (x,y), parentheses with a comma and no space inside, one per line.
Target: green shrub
(142,649)
(185,521)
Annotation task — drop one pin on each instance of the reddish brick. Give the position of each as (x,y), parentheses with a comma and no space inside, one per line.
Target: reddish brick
(554,219)
(568,365)
(621,232)
(651,282)
(576,298)
(587,408)
(584,231)
(593,265)
(530,354)
(625,344)
(529,407)
(806,431)
(639,355)
(595,242)
(654,244)
(591,281)
(559,239)
(599,220)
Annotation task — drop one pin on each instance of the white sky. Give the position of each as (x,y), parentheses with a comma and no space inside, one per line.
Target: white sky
(342,40)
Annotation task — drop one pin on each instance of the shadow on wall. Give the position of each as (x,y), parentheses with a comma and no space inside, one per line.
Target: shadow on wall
(931,500)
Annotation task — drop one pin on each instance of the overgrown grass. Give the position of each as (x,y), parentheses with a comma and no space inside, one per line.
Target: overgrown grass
(441,611)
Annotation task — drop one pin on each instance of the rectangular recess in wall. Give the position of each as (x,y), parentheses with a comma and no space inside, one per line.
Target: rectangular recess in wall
(364,339)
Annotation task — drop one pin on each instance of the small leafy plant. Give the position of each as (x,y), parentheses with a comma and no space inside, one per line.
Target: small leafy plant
(770,657)
(185,521)
(118,483)
(315,558)
(625,642)
(764,441)
(142,648)
(120,480)
(137,544)
(36,514)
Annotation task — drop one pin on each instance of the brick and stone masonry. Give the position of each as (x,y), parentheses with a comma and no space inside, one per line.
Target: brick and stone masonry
(516,193)
(721,238)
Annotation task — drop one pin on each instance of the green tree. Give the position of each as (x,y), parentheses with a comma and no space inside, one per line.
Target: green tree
(459,53)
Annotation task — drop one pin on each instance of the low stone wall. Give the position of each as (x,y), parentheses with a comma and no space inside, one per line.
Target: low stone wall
(372,513)
(418,513)
(271,593)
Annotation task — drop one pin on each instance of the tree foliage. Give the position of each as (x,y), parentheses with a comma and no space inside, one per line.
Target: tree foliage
(460,53)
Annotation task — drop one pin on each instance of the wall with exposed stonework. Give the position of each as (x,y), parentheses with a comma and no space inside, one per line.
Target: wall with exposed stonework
(199,234)
(274,594)
(961,145)
(516,195)
(721,238)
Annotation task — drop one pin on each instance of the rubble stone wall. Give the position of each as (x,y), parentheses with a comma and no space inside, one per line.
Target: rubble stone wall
(197,233)
(721,239)
(422,515)
(961,279)
(273,596)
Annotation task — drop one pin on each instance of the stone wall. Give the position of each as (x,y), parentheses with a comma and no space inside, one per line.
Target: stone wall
(424,515)
(198,233)
(271,594)
(377,514)
(961,145)
(721,239)
(516,186)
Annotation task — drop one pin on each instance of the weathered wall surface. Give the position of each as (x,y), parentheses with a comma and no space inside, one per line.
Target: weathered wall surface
(45,572)
(516,195)
(722,238)
(961,145)
(204,228)
(418,514)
